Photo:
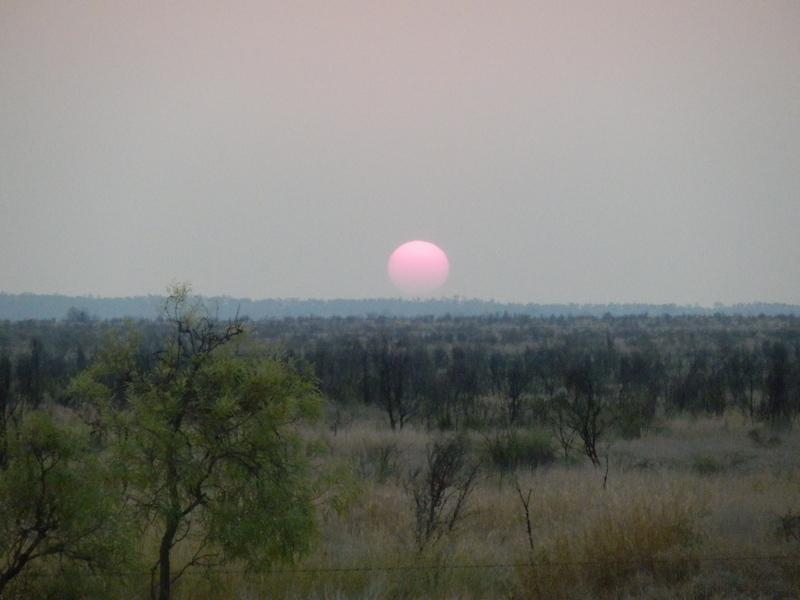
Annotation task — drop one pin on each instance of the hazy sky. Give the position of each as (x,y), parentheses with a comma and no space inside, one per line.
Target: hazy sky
(557,151)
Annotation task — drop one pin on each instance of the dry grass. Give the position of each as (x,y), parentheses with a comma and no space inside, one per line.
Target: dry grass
(661,528)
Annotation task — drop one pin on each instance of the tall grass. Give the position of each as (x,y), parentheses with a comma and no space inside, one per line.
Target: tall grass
(650,530)
(661,528)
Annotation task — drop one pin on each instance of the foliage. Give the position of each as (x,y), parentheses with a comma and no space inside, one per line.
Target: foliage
(453,372)
(60,522)
(704,464)
(511,449)
(764,439)
(788,527)
(206,443)
(450,373)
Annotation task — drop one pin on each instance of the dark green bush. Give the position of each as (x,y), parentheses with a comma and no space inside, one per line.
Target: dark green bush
(788,527)
(509,450)
(764,438)
(703,464)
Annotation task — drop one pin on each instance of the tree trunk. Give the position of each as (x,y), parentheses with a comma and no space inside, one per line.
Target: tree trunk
(164,571)
(172,522)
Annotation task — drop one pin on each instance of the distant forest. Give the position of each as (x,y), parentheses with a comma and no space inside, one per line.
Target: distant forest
(20,307)
(467,372)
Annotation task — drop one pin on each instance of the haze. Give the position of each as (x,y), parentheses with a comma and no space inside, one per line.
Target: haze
(557,151)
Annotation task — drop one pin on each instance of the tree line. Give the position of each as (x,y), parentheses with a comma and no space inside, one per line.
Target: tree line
(469,372)
(454,372)
(17,307)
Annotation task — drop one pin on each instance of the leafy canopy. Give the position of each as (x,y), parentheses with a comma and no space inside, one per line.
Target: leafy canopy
(206,442)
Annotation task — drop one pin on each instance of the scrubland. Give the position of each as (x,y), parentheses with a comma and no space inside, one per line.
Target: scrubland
(457,458)
(694,508)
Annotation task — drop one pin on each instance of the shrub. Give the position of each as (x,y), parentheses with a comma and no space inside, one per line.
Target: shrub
(620,541)
(440,491)
(703,464)
(509,450)
(379,461)
(761,440)
(788,527)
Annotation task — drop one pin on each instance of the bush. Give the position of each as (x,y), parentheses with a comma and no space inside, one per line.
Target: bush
(763,439)
(788,527)
(510,450)
(379,462)
(703,464)
(622,540)
(440,491)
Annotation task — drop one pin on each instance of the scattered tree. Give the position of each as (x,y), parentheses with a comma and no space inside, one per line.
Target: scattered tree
(440,491)
(584,407)
(392,360)
(207,442)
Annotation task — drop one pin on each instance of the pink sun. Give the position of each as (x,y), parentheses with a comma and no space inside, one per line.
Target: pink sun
(418,268)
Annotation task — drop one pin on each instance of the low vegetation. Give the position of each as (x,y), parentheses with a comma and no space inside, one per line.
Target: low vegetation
(480,458)
(659,529)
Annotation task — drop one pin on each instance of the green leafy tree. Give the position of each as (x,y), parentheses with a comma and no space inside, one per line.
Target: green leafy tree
(60,526)
(207,439)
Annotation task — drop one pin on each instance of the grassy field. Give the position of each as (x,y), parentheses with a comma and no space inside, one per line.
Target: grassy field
(699,508)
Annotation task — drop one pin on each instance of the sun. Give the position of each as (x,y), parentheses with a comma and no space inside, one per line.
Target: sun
(418,268)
